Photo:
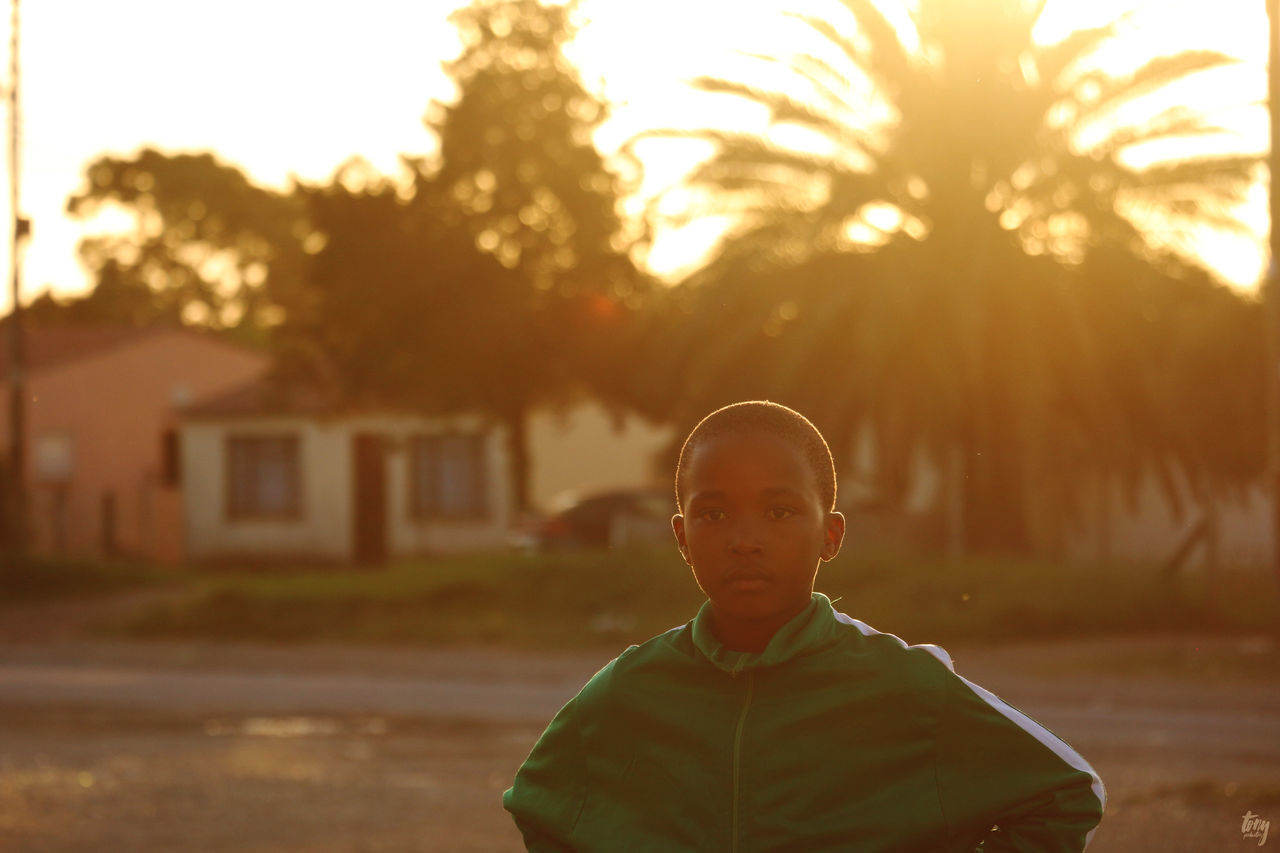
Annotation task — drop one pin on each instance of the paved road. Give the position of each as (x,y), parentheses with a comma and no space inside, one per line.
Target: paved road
(1234,720)
(280,693)
(174,747)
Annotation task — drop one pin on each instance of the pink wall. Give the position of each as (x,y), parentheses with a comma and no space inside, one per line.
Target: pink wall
(111,409)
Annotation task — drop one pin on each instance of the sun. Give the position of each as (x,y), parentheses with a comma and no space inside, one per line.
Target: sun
(645,57)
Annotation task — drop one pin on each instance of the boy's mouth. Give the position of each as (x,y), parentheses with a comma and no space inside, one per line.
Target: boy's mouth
(748,584)
(747,580)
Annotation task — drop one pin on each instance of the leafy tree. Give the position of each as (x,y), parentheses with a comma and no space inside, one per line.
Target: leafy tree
(519,173)
(401,308)
(116,298)
(517,157)
(936,234)
(498,278)
(206,246)
(396,303)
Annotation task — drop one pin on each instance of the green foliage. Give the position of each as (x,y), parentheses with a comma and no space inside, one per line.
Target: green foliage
(206,246)
(521,173)
(397,290)
(517,159)
(392,294)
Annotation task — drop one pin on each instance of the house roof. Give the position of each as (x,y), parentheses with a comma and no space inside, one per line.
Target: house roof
(263,398)
(269,397)
(50,346)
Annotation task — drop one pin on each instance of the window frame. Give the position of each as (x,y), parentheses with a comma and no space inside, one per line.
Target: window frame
(235,512)
(426,446)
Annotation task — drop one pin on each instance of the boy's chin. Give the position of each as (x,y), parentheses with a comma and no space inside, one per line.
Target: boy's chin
(742,607)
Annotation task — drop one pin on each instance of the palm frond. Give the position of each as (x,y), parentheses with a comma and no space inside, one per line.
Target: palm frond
(1226,172)
(827,81)
(783,108)
(832,87)
(1053,61)
(1113,92)
(881,54)
(1176,122)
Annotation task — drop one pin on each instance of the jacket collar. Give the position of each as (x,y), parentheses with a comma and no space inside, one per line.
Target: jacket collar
(808,631)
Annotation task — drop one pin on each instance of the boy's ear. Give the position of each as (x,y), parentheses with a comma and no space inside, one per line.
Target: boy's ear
(833,536)
(677,527)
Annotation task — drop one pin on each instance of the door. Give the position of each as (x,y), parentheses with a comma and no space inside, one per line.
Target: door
(110,542)
(370,547)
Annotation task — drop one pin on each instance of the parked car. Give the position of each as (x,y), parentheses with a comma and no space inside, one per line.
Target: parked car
(613,519)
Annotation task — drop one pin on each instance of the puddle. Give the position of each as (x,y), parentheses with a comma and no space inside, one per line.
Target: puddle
(288,727)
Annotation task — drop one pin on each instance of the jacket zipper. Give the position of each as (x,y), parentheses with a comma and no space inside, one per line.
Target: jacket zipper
(737,752)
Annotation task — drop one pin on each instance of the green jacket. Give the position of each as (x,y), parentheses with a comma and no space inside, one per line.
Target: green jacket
(835,738)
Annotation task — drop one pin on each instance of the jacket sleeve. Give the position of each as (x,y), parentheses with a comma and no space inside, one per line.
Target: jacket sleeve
(550,788)
(1008,781)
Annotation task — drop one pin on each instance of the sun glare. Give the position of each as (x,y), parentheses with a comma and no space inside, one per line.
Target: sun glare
(286,90)
(688,40)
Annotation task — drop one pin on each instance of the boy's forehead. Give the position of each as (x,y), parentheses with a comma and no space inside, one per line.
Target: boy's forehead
(744,435)
(749,453)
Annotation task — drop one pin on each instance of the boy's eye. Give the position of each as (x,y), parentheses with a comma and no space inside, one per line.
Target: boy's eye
(713,514)
(778,513)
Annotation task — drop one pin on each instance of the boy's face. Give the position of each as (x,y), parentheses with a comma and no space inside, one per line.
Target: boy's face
(753,529)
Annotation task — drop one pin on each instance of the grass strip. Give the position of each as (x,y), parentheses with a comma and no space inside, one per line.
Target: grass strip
(591,599)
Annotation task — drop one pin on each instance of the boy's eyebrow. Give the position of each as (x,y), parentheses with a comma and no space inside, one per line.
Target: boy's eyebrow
(770,492)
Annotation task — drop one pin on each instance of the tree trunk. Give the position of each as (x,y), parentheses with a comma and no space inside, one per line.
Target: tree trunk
(1213,532)
(516,420)
(995,502)
(1102,521)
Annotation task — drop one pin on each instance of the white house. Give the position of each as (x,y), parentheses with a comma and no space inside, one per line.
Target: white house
(305,482)
(584,448)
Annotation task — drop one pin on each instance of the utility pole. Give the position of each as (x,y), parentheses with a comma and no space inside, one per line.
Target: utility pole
(17,515)
(1271,286)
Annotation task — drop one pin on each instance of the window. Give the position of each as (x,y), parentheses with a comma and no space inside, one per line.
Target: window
(54,458)
(263,477)
(447,476)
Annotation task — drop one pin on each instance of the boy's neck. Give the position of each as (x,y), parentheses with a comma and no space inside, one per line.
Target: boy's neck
(745,636)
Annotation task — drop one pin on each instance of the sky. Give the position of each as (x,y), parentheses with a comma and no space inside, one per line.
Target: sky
(287,88)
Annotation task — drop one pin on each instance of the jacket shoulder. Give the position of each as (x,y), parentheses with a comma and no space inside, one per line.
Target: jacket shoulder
(861,638)
(672,645)
(668,653)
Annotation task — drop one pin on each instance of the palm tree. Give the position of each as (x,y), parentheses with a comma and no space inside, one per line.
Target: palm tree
(947,210)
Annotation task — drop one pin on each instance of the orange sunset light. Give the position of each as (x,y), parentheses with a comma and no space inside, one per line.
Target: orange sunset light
(291,89)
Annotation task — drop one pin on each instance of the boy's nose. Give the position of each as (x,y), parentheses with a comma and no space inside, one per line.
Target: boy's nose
(744,538)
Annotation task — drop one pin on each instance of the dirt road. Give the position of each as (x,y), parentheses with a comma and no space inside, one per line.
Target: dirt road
(117,747)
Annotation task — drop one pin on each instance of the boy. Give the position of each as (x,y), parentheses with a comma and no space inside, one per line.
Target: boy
(771,721)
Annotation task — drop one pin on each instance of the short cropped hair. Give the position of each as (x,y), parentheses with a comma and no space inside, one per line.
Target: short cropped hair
(771,418)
